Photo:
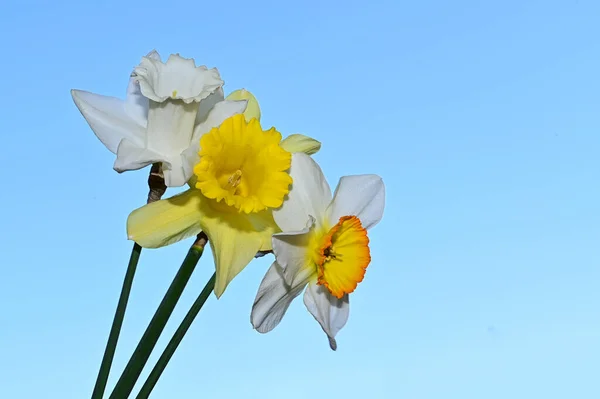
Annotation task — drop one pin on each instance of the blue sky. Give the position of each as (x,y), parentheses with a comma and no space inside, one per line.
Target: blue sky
(482,118)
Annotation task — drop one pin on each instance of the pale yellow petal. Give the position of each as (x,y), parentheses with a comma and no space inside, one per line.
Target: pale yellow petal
(300,143)
(252,109)
(264,221)
(167,221)
(234,237)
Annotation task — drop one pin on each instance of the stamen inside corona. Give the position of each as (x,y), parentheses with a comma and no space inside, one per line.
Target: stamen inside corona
(243,166)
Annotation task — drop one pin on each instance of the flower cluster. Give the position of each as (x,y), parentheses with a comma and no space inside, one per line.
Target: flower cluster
(250,189)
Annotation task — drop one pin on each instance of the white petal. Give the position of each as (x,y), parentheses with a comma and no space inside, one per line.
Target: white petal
(133,157)
(362,196)
(291,252)
(189,159)
(108,118)
(208,103)
(154,55)
(221,111)
(170,126)
(310,195)
(136,105)
(178,78)
(330,312)
(273,299)
(175,172)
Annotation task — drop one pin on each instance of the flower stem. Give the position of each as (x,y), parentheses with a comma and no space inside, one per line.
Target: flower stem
(142,352)
(176,339)
(157,187)
(115,330)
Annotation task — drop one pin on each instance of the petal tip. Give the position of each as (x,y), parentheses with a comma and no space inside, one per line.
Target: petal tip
(332,343)
(153,55)
(76,96)
(218,292)
(252,110)
(299,143)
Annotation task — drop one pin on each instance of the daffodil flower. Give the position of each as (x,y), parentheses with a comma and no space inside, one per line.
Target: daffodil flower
(241,176)
(323,246)
(167,109)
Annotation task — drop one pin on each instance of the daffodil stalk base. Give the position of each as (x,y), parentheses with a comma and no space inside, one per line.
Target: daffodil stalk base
(156,183)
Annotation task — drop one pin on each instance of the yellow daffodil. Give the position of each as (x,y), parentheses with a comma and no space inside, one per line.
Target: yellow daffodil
(323,246)
(241,176)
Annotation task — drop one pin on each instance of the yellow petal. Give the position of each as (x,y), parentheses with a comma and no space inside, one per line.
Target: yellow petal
(262,221)
(300,143)
(235,238)
(252,109)
(166,221)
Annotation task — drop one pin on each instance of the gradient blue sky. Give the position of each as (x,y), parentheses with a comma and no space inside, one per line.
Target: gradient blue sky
(482,118)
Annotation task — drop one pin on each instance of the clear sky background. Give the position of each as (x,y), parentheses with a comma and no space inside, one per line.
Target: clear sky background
(483,118)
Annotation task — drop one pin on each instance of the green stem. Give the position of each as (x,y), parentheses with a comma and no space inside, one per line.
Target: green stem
(115,330)
(157,324)
(176,340)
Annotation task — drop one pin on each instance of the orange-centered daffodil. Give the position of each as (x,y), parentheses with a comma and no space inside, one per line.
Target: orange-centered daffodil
(323,245)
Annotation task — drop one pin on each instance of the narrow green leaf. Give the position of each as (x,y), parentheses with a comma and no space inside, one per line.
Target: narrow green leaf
(176,339)
(142,352)
(115,330)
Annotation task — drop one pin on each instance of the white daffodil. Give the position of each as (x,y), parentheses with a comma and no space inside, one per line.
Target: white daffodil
(323,245)
(168,107)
